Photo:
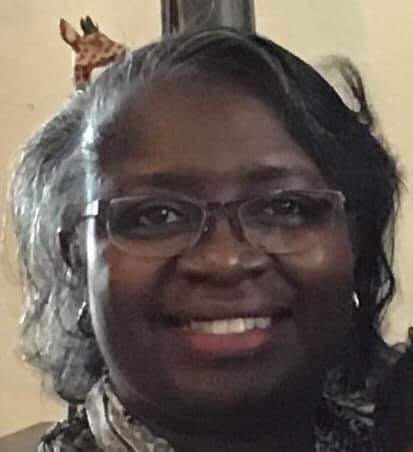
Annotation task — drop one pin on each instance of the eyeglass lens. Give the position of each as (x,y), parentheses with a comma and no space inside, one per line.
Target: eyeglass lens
(161,226)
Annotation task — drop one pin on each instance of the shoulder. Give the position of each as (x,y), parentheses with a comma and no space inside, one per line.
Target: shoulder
(24,440)
(342,427)
(395,407)
(73,434)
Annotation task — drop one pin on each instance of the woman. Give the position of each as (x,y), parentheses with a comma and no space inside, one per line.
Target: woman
(205,237)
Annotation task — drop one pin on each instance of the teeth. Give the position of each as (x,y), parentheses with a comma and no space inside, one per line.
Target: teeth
(230,326)
(249,323)
(263,323)
(217,327)
(236,326)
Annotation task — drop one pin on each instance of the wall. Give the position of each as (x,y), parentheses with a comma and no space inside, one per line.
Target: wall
(35,68)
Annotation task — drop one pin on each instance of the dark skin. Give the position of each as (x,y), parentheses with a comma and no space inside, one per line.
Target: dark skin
(217,145)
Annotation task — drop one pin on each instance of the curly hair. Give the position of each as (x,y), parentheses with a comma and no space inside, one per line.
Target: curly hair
(54,167)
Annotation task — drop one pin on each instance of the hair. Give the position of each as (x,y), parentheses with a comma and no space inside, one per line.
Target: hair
(395,401)
(342,141)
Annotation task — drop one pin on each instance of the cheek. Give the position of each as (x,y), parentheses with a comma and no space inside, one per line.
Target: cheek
(121,287)
(121,303)
(130,274)
(131,282)
(324,277)
(329,264)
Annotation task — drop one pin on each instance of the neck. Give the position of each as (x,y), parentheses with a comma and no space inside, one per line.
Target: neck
(289,427)
(298,438)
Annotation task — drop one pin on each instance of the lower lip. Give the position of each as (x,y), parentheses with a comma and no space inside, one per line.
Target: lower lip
(227,345)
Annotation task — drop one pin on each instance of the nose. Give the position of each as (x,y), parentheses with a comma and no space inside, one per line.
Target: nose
(223,257)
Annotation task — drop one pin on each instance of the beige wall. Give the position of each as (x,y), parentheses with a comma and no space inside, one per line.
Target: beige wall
(35,68)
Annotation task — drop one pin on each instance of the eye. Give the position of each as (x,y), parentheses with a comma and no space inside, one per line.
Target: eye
(283,207)
(152,218)
(285,212)
(288,210)
(158,215)
(149,216)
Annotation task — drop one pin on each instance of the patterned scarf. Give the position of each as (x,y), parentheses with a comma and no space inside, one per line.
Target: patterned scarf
(114,429)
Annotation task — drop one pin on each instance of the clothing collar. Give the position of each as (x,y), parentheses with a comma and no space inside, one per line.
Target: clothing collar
(113,428)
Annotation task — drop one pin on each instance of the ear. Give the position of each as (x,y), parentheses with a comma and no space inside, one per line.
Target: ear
(88,26)
(69,34)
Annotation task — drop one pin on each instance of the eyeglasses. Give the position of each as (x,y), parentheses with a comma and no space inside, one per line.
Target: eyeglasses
(165,225)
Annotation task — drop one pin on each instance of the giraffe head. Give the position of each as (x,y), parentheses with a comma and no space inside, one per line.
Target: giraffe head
(92,50)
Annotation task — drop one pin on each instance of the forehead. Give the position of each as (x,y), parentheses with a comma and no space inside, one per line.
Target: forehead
(217,132)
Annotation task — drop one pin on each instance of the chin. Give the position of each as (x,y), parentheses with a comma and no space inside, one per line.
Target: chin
(242,393)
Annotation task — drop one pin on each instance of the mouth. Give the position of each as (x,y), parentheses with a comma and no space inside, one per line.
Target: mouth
(234,335)
(219,325)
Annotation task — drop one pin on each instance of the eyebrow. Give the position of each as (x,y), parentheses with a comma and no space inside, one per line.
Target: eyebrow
(261,174)
(255,176)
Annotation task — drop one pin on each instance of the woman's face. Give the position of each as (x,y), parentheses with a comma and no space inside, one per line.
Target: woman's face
(217,145)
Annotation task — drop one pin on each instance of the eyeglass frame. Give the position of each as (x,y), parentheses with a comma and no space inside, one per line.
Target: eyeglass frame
(99,209)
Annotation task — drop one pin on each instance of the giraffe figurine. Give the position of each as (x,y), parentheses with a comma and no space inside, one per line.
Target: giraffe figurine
(92,50)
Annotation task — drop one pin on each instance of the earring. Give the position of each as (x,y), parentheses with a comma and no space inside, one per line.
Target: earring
(356,301)
(84,322)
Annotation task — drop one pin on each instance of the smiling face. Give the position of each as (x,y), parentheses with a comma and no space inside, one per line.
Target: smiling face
(215,145)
